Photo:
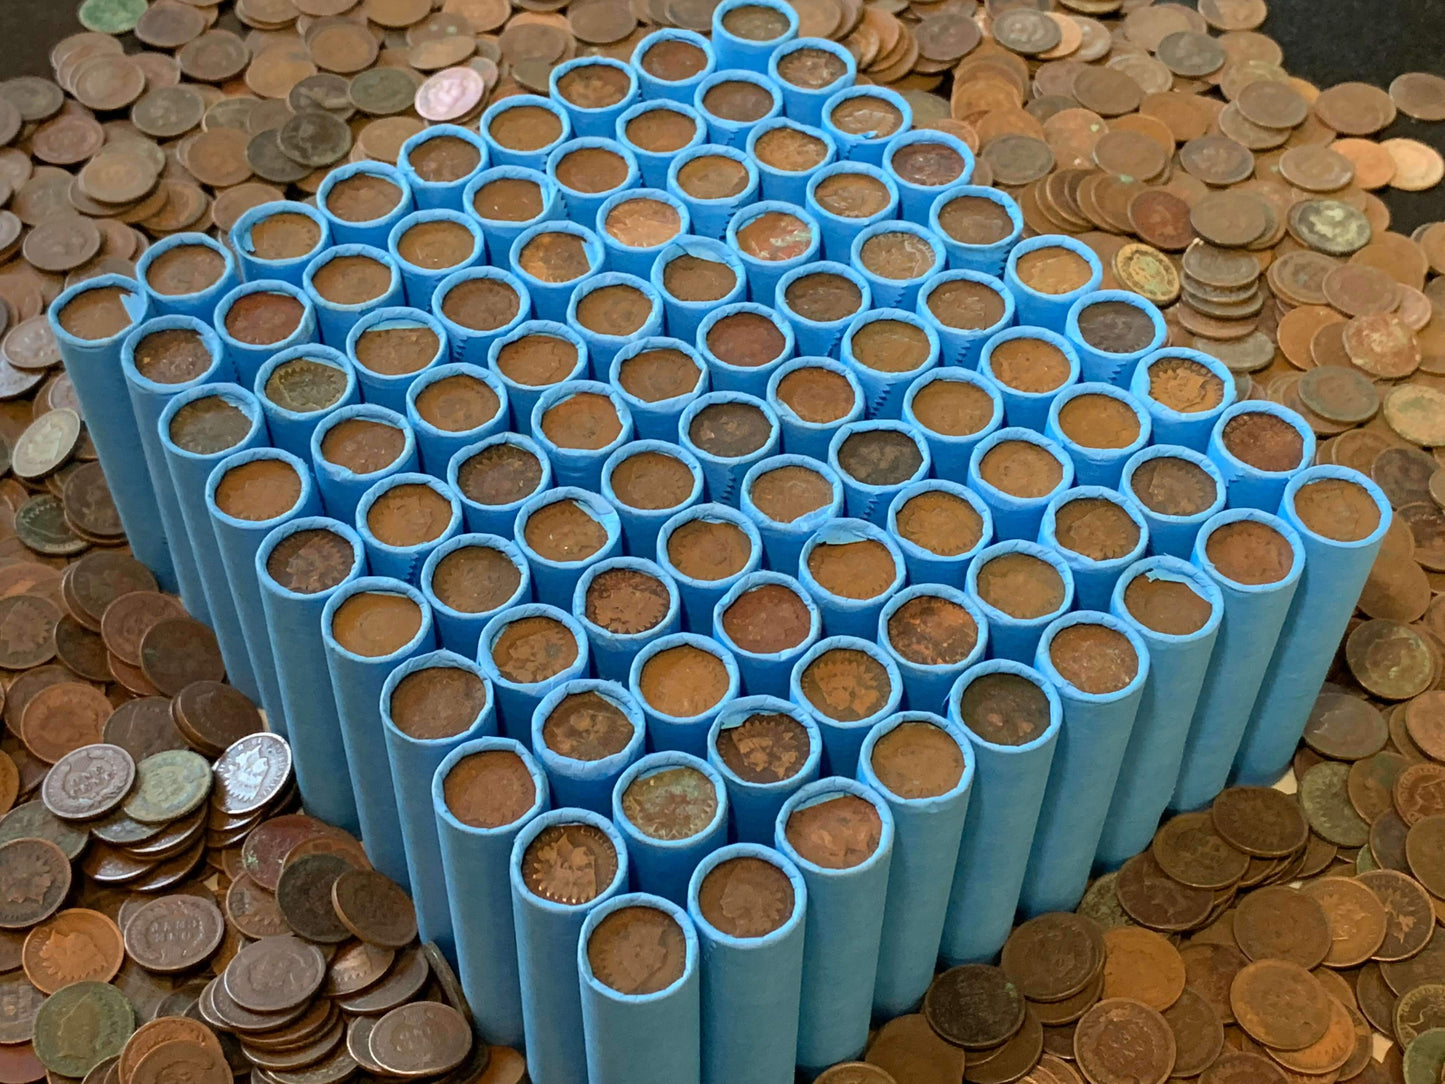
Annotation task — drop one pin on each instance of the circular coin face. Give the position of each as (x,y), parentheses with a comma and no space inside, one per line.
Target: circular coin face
(974,1006)
(374,908)
(1121,1040)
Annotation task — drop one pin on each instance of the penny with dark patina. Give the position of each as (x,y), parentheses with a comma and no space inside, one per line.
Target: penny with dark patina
(374,908)
(974,1006)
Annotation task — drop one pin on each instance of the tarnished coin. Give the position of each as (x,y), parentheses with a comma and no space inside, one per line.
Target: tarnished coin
(168,786)
(1280,1004)
(89,782)
(80,1026)
(974,1006)
(304,895)
(1282,923)
(420,1039)
(1120,1041)
(275,974)
(1355,917)
(374,908)
(75,945)
(46,444)
(1053,956)
(34,880)
(1259,821)
(1189,848)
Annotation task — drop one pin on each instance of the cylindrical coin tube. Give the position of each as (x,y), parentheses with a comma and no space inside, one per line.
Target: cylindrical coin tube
(598,121)
(357,681)
(843,740)
(472,344)
(581,205)
(373,231)
(390,389)
(602,348)
(521,398)
(640,525)
(763,274)
(238,539)
(459,630)
(1094,578)
(961,344)
(681,733)
(751,986)
(1013,637)
(839,231)
(547,937)
(419,281)
(820,338)
(473,859)
(799,435)
(517,700)
(1170,534)
(926,835)
(554,581)
(404,562)
(682,317)
(294,620)
(884,389)
(655,86)
(625,257)
(842,615)
(341,487)
(189,472)
(431,195)
(805,103)
(1191,426)
(926,685)
(335,319)
(1247,486)
(1254,614)
(247,358)
(844,932)
(578,465)
(533,157)
(1106,366)
(656,419)
(437,444)
(951,451)
(499,519)
(1028,409)
(1177,663)
(734,51)
(790,184)
(156,541)
(901,293)
(664,866)
(1335,571)
(1003,809)
(724,130)
(255,263)
(917,199)
(200,303)
(710,216)
(587,784)
(767,675)
(865,500)
(989,257)
(753,807)
(1086,764)
(700,597)
(291,429)
(723,474)
(783,541)
(613,652)
(925,565)
(416,748)
(726,376)
(666,1023)
(549,297)
(654,164)
(866,146)
(1050,310)
(1017,517)
(501,232)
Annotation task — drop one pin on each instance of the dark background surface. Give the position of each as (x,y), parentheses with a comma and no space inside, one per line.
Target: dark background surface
(1324,41)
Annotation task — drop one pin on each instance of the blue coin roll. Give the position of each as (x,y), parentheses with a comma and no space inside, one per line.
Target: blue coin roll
(357,681)
(820,338)
(752,806)
(1050,310)
(660,865)
(613,652)
(1095,466)
(1107,366)
(666,1023)
(683,317)
(335,319)
(581,204)
(654,164)
(420,280)
(551,298)
(1172,535)
(501,232)
(341,487)
(989,257)
(200,302)
(291,429)
(1249,486)
(404,562)
(799,435)
(372,231)
(391,389)
(579,465)
(517,700)
(1254,614)
(950,451)
(710,215)
(1003,809)
(751,985)
(682,733)
(790,184)
(592,120)
(654,86)
(867,145)
(433,195)
(1335,571)
(767,674)
(885,388)
(843,933)
(723,474)
(1189,427)
(474,344)
(294,620)
(553,579)
(656,418)
(889,290)
(918,198)
(926,685)
(640,525)
(521,398)
(1087,757)
(927,830)
(533,157)
(1177,662)
(416,748)
(573,781)
(247,358)
(255,263)
(1013,637)
(803,248)
(961,344)
(726,375)
(842,739)
(475,858)
(805,103)
(1017,517)
(725,130)
(624,257)
(499,519)
(847,615)
(460,630)
(736,51)
(1094,578)
(840,230)
(783,541)
(1028,409)
(866,500)
(928,566)
(455,409)
(603,347)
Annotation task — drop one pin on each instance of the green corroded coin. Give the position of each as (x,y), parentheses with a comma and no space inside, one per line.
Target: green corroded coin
(168,785)
(81,1025)
(1327,806)
(1424,1057)
(111,16)
(1330,226)
(33,821)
